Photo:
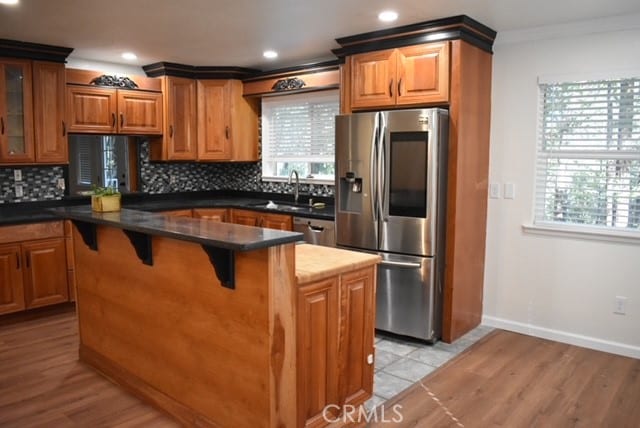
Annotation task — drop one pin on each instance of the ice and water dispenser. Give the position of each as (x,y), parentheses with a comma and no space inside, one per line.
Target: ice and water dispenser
(350,192)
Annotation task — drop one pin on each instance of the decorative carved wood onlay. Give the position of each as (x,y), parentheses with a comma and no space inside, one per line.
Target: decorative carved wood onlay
(114,81)
(289,84)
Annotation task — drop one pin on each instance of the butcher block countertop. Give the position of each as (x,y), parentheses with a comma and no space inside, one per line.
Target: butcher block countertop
(315,262)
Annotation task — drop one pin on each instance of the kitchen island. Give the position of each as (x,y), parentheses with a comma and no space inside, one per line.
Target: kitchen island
(207,321)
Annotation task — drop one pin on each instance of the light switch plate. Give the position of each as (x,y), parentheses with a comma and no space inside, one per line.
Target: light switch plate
(509,191)
(494,190)
(60,184)
(17,175)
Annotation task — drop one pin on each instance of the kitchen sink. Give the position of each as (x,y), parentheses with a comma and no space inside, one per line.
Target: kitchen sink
(288,206)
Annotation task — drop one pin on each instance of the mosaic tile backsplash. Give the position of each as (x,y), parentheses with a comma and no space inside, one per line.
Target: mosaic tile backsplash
(157,177)
(38,184)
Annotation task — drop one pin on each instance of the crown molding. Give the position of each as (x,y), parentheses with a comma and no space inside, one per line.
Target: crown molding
(34,51)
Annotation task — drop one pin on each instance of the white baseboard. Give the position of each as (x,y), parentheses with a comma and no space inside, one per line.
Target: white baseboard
(563,336)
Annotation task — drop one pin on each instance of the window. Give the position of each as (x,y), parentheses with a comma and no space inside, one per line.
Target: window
(588,170)
(298,132)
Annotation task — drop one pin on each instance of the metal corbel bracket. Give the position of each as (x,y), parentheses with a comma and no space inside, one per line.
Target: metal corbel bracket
(142,244)
(224,263)
(88,233)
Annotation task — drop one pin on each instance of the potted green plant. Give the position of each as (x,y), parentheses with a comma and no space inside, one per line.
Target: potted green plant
(105,199)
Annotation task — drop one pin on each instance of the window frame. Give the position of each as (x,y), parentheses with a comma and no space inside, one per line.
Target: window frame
(543,226)
(265,142)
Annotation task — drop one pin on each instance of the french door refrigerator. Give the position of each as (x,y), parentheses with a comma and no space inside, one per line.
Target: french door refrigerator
(390,200)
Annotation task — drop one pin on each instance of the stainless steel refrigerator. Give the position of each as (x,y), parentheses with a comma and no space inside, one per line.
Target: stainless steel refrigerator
(390,199)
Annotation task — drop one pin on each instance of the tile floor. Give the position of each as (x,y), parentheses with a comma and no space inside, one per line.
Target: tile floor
(399,363)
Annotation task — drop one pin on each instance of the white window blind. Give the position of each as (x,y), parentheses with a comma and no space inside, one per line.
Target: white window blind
(298,132)
(588,170)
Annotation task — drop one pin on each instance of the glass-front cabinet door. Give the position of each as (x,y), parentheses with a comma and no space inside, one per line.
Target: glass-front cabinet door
(16,112)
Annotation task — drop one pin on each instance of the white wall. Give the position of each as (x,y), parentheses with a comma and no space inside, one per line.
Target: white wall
(550,286)
(106,67)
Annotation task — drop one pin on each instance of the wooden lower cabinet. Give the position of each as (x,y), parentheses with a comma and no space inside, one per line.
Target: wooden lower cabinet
(179,213)
(335,334)
(213,214)
(34,272)
(11,289)
(45,273)
(258,219)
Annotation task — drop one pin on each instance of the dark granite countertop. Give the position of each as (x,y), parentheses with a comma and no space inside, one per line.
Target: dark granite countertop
(221,235)
(32,212)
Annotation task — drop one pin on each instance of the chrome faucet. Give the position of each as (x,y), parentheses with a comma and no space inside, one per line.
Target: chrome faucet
(296,189)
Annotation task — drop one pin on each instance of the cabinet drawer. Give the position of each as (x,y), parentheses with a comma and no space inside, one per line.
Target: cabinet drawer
(28,232)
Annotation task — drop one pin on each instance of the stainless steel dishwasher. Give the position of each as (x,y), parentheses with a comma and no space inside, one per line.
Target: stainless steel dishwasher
(317,232)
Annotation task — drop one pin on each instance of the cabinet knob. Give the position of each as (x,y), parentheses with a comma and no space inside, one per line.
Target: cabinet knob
(170,131)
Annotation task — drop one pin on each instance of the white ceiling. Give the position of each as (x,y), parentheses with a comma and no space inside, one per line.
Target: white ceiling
(236,32)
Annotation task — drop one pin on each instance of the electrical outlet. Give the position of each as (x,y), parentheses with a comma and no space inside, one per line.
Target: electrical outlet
(494,190)
(19,190)
(60,184)
(172,179)
(17,175)
(620,305)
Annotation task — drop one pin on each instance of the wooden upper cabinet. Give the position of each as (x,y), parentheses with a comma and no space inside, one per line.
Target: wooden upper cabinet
(213,214)
(11,290)
(110,111)
(16,112)
(48,112)
(139,112)
(423,74)
(373,78)
(179,141)
(214,120)
(45,272)
(413,75)
(91,110)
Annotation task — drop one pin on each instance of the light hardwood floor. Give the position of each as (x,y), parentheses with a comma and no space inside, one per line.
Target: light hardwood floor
(512,380)
(505,380)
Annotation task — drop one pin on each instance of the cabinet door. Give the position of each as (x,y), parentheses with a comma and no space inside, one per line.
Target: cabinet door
(357,301)
(45,273)
(16,112)
(214,214)
(317,350)
(214,111)
(139,112)
(373,79)
(276,221)
(48,112)
(11,290)
(247,218)
(178,213)
(244,124)
(423,74)
(181,115)
(91,110)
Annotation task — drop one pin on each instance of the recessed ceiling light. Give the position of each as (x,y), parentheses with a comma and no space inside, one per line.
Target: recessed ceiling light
(388,16)
(129,56)
(8,1)
(270,54)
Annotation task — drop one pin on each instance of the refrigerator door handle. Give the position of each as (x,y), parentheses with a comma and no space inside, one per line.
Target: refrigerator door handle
(401,264)
(373,171)
(382,167)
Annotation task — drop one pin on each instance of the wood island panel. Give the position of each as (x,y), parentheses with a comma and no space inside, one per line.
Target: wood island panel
(208,355)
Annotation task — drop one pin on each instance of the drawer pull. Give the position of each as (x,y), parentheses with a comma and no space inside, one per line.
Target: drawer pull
(17,261)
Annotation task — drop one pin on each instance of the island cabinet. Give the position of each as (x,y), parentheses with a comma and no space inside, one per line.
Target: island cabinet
(260,219)
(99,110)
(33,266)
(412,75)
(335,330)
